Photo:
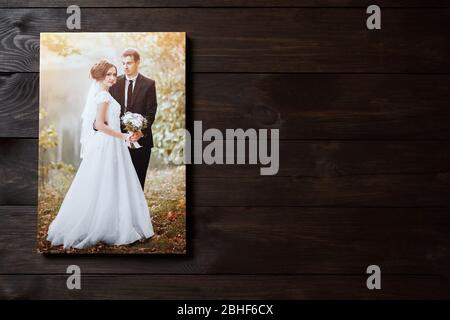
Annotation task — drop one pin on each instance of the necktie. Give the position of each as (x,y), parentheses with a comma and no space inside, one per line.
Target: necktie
(129,94)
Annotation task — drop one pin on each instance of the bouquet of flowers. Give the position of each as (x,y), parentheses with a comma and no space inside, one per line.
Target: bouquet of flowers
(133,122)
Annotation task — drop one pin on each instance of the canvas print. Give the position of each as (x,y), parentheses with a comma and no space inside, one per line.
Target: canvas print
(111,143)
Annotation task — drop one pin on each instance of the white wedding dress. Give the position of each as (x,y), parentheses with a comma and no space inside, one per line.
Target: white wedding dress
(105,202)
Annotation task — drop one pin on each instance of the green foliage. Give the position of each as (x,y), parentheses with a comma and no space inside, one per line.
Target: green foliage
(63,172)
(56,175)
(48,138)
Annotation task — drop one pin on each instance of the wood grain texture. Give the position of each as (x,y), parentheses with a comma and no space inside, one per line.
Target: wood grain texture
(246,240)
(364,155)
(344,159)
(18,185)
(222,3)
(359,191)
(256,40)
(301,106)
(223,287)
(19,105)
(326,106)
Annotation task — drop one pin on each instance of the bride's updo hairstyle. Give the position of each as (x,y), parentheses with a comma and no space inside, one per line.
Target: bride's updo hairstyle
(99,70)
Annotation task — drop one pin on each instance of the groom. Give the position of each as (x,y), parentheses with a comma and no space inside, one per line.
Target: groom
(137,93)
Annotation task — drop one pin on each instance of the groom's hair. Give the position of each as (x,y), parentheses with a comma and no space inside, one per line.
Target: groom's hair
(130,52)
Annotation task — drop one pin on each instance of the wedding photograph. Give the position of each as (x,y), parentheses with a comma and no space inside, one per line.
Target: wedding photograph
(111,143)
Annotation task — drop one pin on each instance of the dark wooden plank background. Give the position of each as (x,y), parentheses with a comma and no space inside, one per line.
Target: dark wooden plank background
(364,154)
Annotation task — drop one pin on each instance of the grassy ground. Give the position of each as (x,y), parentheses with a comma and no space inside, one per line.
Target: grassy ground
(166,197)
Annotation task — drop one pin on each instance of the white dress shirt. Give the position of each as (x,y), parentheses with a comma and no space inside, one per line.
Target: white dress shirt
(127,81)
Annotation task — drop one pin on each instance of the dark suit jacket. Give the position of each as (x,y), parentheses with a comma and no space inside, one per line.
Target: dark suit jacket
(143,102)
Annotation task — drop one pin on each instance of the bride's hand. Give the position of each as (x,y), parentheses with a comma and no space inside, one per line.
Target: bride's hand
(126,137)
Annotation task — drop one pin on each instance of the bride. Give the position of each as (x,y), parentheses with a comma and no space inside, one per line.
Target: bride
(105,202)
